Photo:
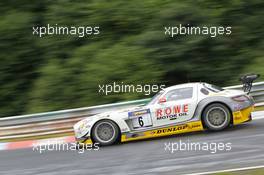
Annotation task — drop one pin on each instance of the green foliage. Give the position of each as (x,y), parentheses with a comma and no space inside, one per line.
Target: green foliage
(59,72)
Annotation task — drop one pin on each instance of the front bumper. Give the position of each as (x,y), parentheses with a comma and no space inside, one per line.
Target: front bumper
(87,140)
(243,115)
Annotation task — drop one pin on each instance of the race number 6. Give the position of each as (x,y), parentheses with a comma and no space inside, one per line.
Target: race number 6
(140,121)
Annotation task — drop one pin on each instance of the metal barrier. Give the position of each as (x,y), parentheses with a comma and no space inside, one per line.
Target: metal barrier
(61,122)
(56,122)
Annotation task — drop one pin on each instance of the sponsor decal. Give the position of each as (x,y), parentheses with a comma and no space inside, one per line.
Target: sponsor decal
(170,129)
(242,116)
(237,115)
(238,118)
(138,113)
(177,128)
(181,128)
(237,107)
(134,135)
(194,125)
(172,112)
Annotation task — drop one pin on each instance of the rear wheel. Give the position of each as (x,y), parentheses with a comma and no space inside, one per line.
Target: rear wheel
(105,132)
(216,117)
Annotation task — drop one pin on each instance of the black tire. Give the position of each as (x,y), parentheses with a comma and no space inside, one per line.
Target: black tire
(216,117)
(105,132)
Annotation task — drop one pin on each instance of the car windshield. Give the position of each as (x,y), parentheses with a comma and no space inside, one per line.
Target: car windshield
(155,98)
(212,87)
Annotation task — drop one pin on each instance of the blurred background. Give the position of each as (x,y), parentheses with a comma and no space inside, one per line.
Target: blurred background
(62,71)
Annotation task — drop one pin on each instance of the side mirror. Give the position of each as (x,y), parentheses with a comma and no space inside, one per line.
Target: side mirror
(162,100)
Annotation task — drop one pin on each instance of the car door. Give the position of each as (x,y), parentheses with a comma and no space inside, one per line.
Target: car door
(175,106)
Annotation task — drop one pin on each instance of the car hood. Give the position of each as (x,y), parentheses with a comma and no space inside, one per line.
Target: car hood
(127,109)
(120,112)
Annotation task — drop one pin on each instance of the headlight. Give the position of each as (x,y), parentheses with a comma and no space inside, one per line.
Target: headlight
(82,127)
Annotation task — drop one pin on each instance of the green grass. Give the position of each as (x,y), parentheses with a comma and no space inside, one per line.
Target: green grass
(260,108)
(259,171)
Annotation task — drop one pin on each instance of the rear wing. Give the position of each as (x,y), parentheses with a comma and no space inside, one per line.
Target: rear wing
(247,81)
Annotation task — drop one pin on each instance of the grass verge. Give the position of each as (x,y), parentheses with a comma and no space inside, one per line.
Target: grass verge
(259,171)
(259,108)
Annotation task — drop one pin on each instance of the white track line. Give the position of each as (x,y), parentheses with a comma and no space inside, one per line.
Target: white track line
(258,115)
(227,170)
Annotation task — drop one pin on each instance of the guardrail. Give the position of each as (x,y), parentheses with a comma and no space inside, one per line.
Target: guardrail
(56,122)
(61,122)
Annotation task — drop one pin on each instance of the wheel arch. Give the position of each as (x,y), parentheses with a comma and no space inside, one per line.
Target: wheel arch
(105,119)
(211,100)
(217,102)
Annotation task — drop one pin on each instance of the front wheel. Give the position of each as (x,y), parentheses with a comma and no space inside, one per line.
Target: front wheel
(105,132)
(216,117)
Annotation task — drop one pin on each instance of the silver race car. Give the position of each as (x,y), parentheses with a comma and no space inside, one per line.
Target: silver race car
(176,109)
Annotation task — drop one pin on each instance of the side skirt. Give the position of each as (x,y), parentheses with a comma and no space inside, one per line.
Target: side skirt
(166,131)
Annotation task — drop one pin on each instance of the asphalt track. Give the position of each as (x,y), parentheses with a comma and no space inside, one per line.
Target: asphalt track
(146,157)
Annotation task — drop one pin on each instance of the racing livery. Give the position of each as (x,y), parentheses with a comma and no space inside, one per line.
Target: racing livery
(176,109)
